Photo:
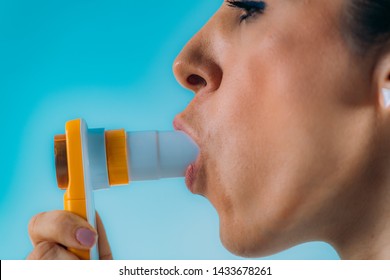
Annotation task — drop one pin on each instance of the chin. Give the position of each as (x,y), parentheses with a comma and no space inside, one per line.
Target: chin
(249,243)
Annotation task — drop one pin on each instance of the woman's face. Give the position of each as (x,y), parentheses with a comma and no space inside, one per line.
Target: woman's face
(284,119)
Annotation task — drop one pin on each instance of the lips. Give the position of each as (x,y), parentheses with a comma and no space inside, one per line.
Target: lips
(192,169)
(191,176)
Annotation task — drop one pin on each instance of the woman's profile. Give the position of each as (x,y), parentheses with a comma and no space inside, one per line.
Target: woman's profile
(292,125)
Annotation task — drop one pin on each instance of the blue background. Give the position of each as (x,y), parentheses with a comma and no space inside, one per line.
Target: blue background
(110,63)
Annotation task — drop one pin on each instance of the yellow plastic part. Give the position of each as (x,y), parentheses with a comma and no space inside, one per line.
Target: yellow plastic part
(116,152)
(74,198)
(70,168)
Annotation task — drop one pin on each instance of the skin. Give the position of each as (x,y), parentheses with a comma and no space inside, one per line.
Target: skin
(292,130)
(52,232)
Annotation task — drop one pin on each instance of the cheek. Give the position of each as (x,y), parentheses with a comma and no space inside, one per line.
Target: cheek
(230,147)
(244,145)
(250,137)
(266,129)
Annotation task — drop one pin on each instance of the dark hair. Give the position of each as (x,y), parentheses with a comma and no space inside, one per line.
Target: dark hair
(368,23)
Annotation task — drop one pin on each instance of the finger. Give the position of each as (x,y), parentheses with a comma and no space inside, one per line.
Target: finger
(51,251)
(104,246)
(62,227)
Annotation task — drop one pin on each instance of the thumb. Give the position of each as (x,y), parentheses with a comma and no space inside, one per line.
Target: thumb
(104,246)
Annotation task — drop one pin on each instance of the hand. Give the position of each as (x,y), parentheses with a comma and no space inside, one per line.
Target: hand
(52,232)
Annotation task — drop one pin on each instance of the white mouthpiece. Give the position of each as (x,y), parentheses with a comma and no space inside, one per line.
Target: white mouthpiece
(155,155)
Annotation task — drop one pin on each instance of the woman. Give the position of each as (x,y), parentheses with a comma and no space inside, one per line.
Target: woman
(292,125)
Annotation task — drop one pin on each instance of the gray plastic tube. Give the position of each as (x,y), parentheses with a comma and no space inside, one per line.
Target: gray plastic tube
(151,155)
(155,155)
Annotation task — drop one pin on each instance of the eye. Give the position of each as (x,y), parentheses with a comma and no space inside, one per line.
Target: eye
(249,8)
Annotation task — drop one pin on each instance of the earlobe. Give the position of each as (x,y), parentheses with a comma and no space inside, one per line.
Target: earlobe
(386,97)
(383,79)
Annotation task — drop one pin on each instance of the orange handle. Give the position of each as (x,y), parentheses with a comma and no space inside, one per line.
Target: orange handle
(74,198)
(77,207)
(74,168)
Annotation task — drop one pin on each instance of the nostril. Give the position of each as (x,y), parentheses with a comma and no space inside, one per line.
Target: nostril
(196,80)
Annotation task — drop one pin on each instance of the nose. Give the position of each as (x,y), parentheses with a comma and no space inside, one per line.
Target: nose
(196,67)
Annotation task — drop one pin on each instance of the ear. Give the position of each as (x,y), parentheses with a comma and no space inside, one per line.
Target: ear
(383,80)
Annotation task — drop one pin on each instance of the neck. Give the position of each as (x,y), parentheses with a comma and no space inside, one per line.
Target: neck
(366,235)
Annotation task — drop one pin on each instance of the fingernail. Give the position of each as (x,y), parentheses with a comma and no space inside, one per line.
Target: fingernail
(86,237)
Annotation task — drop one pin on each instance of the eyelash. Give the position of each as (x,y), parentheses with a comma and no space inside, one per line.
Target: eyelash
(250,8)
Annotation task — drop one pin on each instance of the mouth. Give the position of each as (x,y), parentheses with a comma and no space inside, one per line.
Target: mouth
(191,175)
(192,169)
